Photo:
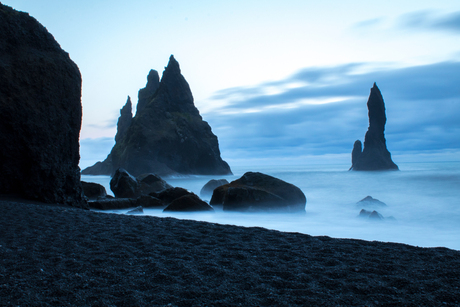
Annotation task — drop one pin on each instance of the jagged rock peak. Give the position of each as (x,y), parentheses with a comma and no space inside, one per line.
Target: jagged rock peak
(375,155)
(146,94)
(124,121)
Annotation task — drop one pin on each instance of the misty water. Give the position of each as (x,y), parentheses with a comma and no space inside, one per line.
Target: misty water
(424,199)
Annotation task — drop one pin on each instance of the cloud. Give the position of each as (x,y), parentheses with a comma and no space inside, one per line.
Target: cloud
(94,150)
(429,20)
(325,112)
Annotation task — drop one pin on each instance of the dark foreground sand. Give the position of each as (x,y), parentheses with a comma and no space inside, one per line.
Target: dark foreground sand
(56,256)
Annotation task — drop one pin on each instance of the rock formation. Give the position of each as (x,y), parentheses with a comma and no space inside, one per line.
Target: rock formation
(167,136)
(375,155)
(208,188)
(259,192)
(125,119)
(40,118)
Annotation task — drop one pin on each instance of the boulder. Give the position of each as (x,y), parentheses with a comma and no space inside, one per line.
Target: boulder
(208,188)
(40,117)
(123,184)
(259,192)
(112,203)
(188,203)
(168,135)
(137,210)
(93,190)
(369,202)
(168,195)
(148,201)
(375,155)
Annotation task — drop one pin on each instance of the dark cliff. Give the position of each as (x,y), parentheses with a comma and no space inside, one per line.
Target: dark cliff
(167,136)
(40,113)
(375,155)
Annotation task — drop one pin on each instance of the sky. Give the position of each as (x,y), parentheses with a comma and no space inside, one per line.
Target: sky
(278,81)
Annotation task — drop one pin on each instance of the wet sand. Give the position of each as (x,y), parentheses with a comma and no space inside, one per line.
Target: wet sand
(60,256)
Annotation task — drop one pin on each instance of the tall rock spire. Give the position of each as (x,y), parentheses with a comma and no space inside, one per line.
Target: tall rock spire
(375,155)
(124,121)
(146,94)
(167,136)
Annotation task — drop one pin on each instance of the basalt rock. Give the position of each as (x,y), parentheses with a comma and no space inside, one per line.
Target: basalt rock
(40,117)
(208,188)
(375,155)
(167,136)
(259,192)
(93,190)
(124,121)
(188,203)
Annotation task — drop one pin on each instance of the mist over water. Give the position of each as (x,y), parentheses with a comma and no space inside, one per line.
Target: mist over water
(424,198)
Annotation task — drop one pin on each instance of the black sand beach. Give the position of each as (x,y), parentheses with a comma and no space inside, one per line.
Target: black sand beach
(60,256)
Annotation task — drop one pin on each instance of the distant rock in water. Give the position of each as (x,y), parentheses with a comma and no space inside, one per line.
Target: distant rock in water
(40,113)
(167,135)
(375,155)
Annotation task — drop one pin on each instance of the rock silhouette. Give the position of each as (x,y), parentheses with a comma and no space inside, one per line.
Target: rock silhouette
(375,155)
(167,136)
(40,117)
(125,119)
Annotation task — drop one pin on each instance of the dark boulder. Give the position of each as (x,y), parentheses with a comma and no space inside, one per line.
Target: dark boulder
(168,135)
(40,117)
(168,195)
(137,210)
(148,201)
(112,203)
(375,155)
(93,190)
(123,184)
(208,188)
(368,202)
(188,203)
(259,192)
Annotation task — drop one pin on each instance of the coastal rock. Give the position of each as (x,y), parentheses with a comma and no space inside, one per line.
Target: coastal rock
(168,195)
(188,203)
(112,203)
(208,188)
(372,215)
(148,201)
(123,184)
(167,136)
(368,201)
(124,121)
(259,192)
(146,94)
(375,155)
(93,190)
(40,118)
(137,210)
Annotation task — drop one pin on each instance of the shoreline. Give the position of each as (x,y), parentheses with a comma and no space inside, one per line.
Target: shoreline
(55,255)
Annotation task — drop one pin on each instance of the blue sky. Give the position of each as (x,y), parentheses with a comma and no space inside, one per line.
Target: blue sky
(280,81)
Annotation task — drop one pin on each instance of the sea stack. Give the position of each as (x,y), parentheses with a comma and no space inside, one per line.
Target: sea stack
(167,136)
(40,117)
(375,155)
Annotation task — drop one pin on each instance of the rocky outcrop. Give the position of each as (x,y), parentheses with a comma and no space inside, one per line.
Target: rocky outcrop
(145,94)
(124,121)
(375,155)
(259,192)
(208,188)
(40,117)
(167,136)
(370,202)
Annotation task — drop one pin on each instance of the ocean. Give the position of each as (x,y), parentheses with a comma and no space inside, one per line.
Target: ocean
(423,199)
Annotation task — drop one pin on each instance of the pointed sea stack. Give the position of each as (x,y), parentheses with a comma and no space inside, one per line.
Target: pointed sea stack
(125,119)
(375,155)
(167,136)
